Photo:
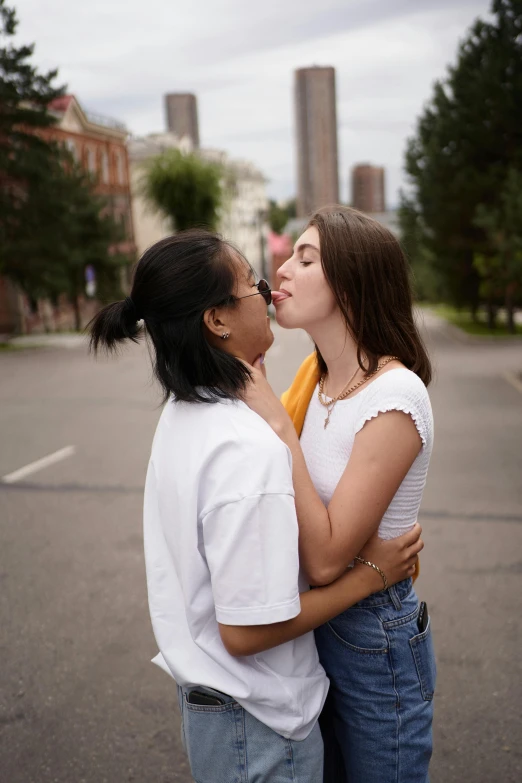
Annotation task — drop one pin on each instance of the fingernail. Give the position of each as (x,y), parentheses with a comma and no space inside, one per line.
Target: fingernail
(262,358)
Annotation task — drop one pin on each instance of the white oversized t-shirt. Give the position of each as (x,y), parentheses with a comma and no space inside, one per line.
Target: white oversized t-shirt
(221,545)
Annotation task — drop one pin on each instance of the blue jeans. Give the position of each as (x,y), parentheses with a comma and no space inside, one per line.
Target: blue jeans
(377,720)
(225,744)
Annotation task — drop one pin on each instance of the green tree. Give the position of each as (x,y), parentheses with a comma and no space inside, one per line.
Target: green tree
(185,188)
(277,217)
(467,138)
(500,269)
(90,237)
(291,208)
(51,223)
(67,227)
(25,158)
(427,284)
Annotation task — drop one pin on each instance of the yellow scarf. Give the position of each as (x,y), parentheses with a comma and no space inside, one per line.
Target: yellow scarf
(297,399)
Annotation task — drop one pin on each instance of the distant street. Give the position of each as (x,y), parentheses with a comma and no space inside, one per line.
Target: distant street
(80,701)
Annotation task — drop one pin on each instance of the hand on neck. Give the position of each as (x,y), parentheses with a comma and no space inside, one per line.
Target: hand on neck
(248,355)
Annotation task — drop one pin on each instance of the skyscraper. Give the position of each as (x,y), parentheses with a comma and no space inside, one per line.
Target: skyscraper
(368,188)
(316,125)
(182,115)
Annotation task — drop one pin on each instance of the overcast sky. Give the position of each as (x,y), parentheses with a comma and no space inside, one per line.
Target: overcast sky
(120,56)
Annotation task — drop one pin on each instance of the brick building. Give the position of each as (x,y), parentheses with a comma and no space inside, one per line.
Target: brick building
(99,145)
(368,188)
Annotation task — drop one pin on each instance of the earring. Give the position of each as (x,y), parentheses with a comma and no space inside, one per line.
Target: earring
(225,335)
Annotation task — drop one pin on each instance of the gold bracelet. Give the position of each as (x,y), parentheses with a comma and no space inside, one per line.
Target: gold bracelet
(372,565)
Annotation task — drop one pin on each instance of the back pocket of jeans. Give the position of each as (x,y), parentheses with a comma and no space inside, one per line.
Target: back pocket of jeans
(212,741)
(424,657)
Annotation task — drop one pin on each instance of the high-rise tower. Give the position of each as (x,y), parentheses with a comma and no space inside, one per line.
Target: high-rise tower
(316,126)
(182,115)
(368,188)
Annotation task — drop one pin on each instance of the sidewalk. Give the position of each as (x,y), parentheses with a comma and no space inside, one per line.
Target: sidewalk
(54,340)
(437,323)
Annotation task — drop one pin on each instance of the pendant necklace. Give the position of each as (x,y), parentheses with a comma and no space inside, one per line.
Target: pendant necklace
(330,404)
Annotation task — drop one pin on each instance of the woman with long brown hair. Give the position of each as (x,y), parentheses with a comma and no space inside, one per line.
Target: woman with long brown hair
(362,411)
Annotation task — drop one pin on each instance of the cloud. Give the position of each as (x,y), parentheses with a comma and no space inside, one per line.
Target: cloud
(239,58)
(309,20)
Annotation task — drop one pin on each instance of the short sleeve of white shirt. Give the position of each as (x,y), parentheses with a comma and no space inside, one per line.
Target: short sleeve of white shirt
(398,390)
(250,537)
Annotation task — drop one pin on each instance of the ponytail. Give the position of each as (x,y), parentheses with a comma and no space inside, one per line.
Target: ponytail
(114,324)
(175,282)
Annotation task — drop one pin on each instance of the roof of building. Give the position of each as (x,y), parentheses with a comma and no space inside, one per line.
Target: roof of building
(62,103)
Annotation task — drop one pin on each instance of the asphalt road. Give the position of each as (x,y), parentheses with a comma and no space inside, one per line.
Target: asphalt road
(80,701)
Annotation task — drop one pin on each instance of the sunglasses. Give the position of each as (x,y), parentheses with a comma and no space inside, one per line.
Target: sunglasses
(263,288)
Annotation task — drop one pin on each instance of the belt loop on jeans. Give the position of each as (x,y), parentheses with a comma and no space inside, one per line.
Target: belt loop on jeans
(394,595)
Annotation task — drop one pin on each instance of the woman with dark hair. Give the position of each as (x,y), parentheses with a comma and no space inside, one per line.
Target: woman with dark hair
(231,616)
(362,411)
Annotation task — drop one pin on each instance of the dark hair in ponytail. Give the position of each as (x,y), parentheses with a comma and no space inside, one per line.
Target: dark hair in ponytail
(175,282)
(113,324)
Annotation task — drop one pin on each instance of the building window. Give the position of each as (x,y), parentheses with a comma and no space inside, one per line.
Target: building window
(118,158)
(105,167)
(91,161)
(72,148)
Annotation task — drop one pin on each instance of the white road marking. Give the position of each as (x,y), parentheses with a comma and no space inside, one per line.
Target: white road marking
(21,473)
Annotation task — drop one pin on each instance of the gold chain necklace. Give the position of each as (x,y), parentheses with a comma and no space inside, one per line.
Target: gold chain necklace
(330,404)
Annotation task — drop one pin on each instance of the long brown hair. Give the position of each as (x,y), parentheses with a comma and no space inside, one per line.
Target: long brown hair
(369,275)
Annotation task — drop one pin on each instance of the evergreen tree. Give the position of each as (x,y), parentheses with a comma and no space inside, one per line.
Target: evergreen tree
(51,224)
(25,158)
(185,188)
(500,269)
(427,284)
(467,139)
(67,227)
(89,237)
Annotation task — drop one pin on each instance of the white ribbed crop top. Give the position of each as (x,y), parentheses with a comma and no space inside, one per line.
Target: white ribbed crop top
(327,451)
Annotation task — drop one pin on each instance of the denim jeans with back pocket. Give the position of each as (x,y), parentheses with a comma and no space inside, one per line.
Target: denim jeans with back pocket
(226,744)
(377,721)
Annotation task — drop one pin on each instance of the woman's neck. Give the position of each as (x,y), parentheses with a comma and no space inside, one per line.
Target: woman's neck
(339,351)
